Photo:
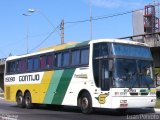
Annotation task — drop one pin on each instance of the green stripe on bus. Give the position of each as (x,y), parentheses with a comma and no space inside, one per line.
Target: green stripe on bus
(53,86)
(63,86)
(82,44)
(70,46)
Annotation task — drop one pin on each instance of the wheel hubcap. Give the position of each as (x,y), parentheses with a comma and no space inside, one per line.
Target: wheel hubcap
(84,103)
(28,100)
(19,99)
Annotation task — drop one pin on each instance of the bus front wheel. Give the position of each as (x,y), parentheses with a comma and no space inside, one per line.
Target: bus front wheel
(86,103)
(20,100)
(28,100)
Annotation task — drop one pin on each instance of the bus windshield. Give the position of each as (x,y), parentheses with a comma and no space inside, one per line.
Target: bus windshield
(133,73)
(131,51)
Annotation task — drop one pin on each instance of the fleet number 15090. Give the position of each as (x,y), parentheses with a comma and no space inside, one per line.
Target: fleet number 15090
(10,79)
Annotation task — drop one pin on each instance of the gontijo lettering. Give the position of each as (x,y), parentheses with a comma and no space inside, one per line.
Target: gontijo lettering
(29,78)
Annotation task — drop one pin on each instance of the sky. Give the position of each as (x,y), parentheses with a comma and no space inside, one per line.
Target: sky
(40,25)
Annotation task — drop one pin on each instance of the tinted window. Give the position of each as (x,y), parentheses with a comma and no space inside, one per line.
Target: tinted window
(22,65)
(58,58)
(11,67)
(18,66)
(49,61)
(96,72)
(75,57)
(30,64)
(100,50)
(8,67)
(43,62)
(65,58)
(35,63)
(84,56)
(131,50)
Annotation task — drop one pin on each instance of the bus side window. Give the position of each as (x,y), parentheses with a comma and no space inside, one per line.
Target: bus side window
(65,59)
(22,65)
(43,61)
(30,64)
(84,56)
(58,59)
(35,64)
(18,66)
(96,72)
(8,67)
(75,57)
(100,50)
(49,61)
(13,67)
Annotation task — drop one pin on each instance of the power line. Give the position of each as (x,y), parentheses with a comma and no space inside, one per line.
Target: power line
(87,20)
(38,35)
(107,16)
(45,39)
(103,17)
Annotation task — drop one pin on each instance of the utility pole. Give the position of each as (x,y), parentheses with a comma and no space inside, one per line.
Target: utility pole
(27,27)
(62,31)
(91,19)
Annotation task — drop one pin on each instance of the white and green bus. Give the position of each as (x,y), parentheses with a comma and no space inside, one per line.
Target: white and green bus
(103,73)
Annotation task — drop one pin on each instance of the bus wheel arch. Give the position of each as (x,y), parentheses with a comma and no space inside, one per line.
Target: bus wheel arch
(20,99)
(84,101)
(28,99)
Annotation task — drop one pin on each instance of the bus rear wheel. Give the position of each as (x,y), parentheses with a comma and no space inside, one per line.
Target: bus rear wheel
(20,100)
(28,100)
(86,103)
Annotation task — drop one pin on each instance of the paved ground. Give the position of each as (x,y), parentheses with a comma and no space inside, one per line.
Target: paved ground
(9,111)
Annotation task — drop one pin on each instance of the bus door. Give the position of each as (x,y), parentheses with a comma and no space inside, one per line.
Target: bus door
(104,75)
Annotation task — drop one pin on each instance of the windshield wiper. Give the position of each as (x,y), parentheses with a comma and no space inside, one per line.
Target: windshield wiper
(140,77)
(135,79)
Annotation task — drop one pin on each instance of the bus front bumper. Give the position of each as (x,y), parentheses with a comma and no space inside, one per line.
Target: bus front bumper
(133,102)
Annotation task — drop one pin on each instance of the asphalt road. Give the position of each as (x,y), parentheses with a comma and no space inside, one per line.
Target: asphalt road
(9,111)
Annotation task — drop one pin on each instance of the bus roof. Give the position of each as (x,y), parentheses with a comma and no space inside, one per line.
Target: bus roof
(75,44)
(124,41)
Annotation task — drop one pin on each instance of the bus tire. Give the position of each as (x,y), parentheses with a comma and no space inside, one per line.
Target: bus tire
(28,100)
(20,100)
(86,103)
